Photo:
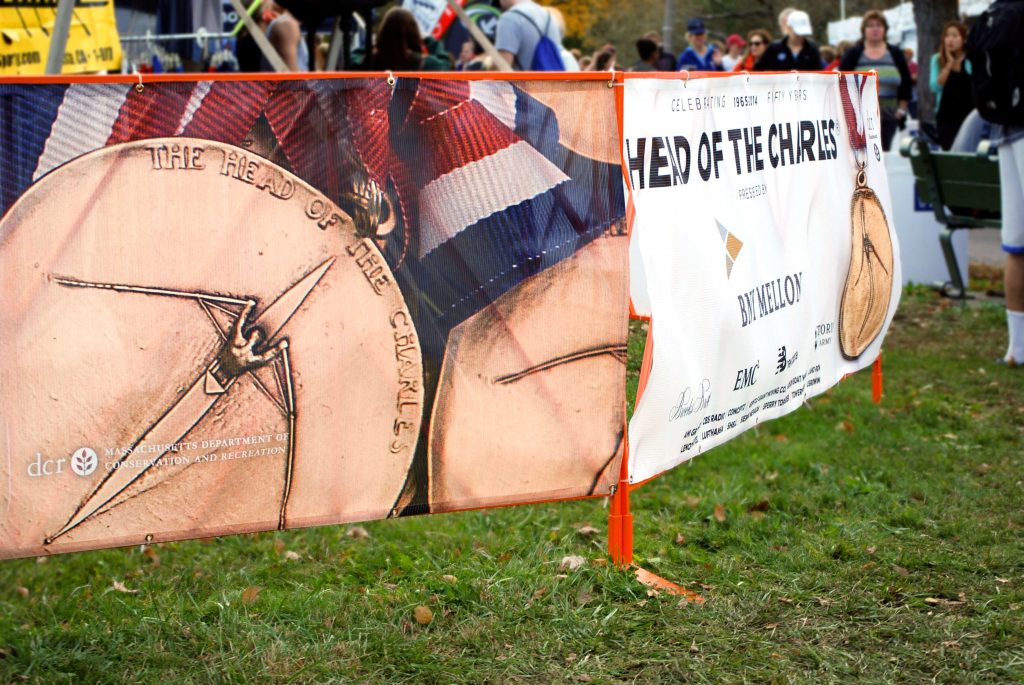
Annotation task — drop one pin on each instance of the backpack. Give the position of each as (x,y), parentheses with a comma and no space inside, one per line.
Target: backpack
(547,56)
(996,53)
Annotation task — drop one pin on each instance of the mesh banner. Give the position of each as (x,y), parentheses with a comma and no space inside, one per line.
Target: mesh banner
(241,305)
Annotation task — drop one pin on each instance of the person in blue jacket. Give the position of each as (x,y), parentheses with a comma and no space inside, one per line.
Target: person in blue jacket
(700,55)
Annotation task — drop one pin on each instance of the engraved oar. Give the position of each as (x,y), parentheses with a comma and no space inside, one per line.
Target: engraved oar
(202,395)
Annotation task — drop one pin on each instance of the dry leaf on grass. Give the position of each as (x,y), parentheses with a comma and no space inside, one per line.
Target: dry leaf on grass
(250,594)
(448,578)
(292,556)
(120,587)
(870,550)
(587,531)
(844,426)
(358,532)
(423,615)
(691,501)
(902,571)
(571,563)
(23,591)
(680,539)
(719,513)
(278,545)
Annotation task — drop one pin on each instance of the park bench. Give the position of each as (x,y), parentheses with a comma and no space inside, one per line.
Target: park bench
(963,190)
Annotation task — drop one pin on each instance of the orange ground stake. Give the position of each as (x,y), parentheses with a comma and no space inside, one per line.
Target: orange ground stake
(876,380)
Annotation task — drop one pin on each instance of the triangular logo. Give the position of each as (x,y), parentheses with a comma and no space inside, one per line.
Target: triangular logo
(212,386)
(733,245)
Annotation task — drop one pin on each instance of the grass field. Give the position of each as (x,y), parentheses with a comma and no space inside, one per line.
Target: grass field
(854,543)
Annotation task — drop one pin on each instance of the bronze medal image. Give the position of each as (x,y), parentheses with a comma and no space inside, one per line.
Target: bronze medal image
(869,282)
(522,411)
(195,342)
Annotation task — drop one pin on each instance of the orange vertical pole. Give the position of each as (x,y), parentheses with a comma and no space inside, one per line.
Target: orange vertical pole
(876,380)
(620,521)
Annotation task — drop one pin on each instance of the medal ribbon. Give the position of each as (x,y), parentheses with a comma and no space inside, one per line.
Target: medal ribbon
(851,88)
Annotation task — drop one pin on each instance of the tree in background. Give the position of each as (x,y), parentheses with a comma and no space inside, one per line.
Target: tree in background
(929,15)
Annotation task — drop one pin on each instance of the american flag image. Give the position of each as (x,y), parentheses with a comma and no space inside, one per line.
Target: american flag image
(486,193)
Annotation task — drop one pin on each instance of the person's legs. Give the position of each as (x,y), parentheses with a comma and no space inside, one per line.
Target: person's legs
(1011,182)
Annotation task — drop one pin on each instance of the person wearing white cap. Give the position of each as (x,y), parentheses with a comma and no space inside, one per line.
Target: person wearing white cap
(795,51)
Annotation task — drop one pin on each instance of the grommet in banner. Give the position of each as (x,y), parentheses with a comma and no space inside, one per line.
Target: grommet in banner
(687,80)
(139,87)
(794,71)
(391,80)
(611,83)
(747,74)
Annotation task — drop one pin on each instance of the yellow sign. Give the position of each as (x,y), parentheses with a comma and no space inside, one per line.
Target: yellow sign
(26,27)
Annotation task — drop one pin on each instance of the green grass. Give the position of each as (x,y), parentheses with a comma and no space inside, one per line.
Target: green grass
(860,544)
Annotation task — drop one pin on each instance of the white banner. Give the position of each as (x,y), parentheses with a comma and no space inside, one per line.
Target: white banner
(771,270)
(427,12)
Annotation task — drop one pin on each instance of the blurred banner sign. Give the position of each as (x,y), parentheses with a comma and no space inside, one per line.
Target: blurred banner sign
(26,26)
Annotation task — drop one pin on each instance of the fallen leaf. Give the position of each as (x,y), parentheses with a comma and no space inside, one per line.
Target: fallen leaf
(933,601)
(448,578)
(1002,581)
(587,531)
(423,615)
(278,545)
(785,600)
(691,501)
(120,587)
(42,560)
(680,539)
(771,475)
(358,532)
(870,550)
(757,515)
(844,426)
(949,436)
(771,626)
(720,513)
(540,592)
(151,554)
(601,561)
(584,598)
(781,437)
(292,556)
(250,594)
(571,563)
(329,622)
(693,647)
(652,593)
(902,571)
(23,591)
(951,644)
(823,601)
(583,678)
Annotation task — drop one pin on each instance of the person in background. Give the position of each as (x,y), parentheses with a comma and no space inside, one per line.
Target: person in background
(796,50)
(908,54)
(873,53)
(519,31)
(400,47)
(784,21)
(734,45)
(568,59)
(950,81)
(699,56)
(757,43)
(285,34)
(666,60)
(604,59)
(828,57)
(647,50)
